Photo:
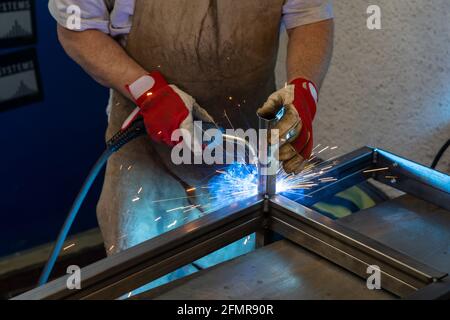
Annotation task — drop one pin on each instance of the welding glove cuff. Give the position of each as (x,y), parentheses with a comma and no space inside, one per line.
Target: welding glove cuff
(305,102)
(164,108)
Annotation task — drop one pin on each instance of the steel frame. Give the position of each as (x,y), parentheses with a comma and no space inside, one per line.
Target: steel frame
(119,274)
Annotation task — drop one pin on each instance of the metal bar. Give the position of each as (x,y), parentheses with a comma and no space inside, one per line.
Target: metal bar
(167,251)
(268,164)
(264,236)
(413,178)
(160,266)
(439,290)
(402,275)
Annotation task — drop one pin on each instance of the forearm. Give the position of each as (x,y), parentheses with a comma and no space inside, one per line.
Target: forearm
(310,49)
(101,57)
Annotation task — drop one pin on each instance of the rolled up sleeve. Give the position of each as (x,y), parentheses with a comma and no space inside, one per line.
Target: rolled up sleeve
(300,12)
(121,17)
(109,16)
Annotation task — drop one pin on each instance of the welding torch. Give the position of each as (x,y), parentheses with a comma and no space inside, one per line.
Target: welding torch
(133,127)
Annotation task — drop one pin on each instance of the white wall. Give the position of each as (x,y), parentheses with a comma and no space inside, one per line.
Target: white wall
(387,88)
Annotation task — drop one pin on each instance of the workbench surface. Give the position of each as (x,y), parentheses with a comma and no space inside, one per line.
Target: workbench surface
(410,225)
(282,270)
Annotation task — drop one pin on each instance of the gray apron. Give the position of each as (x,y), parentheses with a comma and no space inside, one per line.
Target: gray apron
(223,53)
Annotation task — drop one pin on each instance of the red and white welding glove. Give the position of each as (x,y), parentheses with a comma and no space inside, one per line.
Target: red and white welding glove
(165,108)
(295,133)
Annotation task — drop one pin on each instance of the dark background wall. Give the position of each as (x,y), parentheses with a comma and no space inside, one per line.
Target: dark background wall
(47,148)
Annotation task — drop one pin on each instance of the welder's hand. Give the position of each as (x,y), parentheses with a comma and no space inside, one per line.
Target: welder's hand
(295,133)
(165,108)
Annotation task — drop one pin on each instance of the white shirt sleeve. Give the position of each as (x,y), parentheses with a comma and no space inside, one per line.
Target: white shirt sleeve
(300,12)
(113,17)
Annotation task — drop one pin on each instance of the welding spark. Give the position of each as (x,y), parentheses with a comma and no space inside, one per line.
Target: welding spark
(327,179)
(228,119)
(239,181)
(192,208)
(171,199)
(376,170)
(393,179)
(172,224)
(69,246)
(323,150)
(176,209)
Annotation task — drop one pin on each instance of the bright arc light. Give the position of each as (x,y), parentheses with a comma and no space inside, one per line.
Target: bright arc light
(240,181)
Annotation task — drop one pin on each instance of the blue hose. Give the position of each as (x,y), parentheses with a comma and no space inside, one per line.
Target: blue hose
(72,215)
(135,130)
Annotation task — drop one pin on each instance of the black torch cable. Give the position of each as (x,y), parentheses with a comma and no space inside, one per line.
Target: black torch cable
(440,153)
(135,130)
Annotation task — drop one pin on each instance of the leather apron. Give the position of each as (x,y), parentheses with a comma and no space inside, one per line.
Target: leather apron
(221,52)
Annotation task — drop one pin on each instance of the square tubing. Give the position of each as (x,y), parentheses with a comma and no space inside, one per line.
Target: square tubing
(116,275)
(267,175)
(413,178)
(348,170)
(401,274)
(125,271)
(267,179)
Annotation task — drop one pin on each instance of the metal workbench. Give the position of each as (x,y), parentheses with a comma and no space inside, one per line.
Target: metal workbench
(407,238)
(281,270)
